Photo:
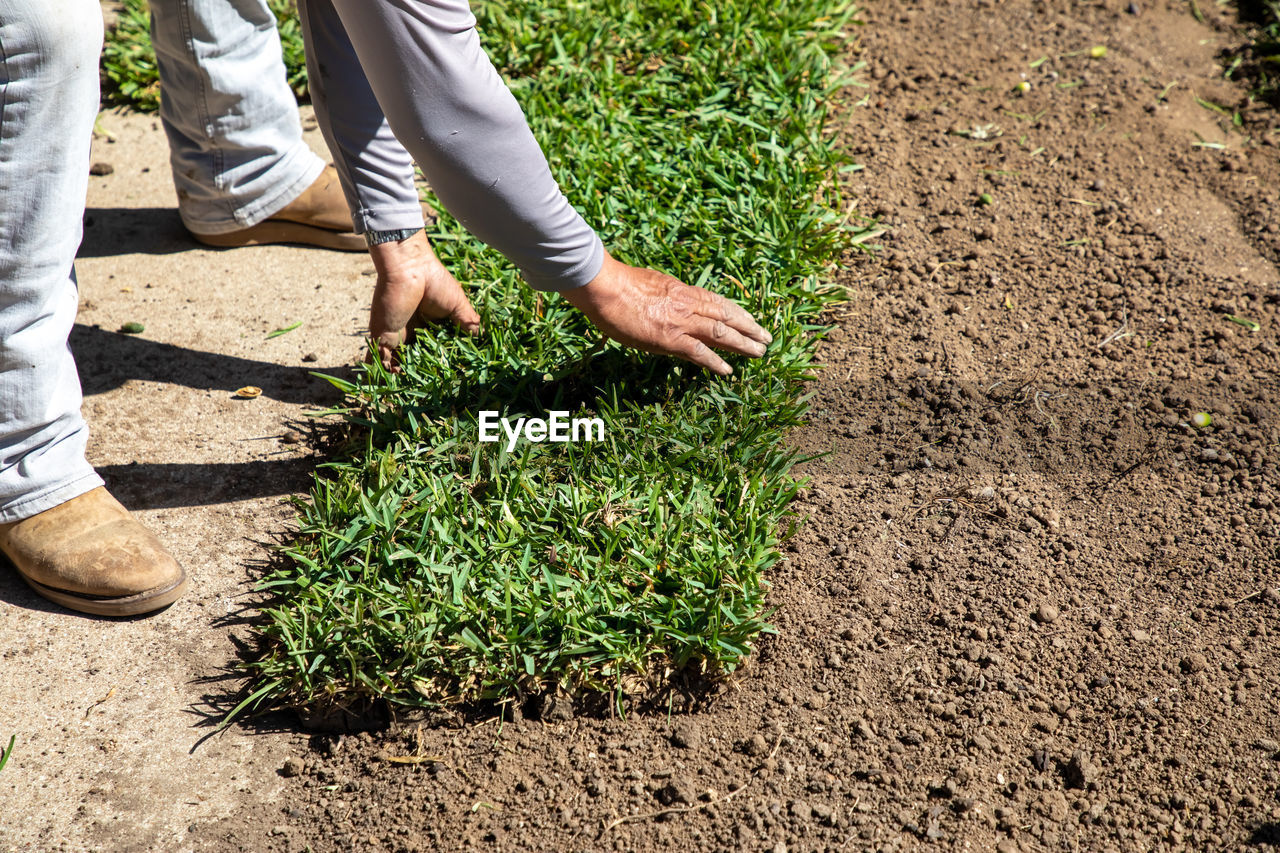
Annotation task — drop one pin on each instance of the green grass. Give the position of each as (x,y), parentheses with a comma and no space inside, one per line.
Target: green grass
(1258,61)
(430,568)
(128,67)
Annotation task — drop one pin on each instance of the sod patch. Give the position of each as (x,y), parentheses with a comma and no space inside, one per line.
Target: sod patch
(432,568)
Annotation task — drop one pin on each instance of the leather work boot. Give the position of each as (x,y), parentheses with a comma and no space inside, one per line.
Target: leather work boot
(91,555)
(318,217)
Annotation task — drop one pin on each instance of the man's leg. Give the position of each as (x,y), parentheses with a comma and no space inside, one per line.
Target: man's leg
(50,498)
(49,103)
(241,169)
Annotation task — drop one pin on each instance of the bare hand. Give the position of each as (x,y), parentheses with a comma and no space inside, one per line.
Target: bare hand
(654,312)
(413,289)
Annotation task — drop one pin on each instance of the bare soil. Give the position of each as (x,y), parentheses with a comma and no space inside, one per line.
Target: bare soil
(1034,606)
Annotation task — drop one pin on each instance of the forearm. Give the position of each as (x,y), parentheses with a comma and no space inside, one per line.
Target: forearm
(376,170)
(447,104)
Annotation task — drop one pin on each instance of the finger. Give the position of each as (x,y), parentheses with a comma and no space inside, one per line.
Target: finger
(691,349)
(718,307)
(387,355)
(721,335)
(448,301)
(465,316)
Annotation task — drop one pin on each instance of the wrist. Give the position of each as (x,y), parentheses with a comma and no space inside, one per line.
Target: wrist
(396,235)
(589,297)
(402,257)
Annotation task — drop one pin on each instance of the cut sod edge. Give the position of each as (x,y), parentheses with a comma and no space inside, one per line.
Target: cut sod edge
(431,569)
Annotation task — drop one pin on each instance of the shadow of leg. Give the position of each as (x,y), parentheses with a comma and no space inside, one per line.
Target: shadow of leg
(107,360)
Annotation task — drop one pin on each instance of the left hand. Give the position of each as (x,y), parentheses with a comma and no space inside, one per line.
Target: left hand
(413,288)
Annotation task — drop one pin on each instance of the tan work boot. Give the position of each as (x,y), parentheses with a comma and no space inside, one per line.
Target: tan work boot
(318,217)
(91,555)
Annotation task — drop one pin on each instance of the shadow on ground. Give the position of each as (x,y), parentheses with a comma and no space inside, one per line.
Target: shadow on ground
(1266,835)
(112,231)
(109,359)
(164,485)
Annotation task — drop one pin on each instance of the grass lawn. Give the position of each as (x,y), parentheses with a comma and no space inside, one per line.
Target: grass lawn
(1258,61)
(431,568)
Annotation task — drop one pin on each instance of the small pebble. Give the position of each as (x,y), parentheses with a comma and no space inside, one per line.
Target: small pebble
(100,168)
(293,766)
(1046,614)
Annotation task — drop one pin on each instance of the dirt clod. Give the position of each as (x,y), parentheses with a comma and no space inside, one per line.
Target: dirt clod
(687,734)
(1194,662)
(1079,772)
(1046,613)
(556,707)
(679,791)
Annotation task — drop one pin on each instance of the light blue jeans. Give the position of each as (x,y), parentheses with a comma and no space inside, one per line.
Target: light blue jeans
(237,154)
(48,102)
(235,141)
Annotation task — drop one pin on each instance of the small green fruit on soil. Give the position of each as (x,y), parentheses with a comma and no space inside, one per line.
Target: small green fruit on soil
(132,328)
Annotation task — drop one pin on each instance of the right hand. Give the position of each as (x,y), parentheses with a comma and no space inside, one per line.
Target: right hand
(657,313)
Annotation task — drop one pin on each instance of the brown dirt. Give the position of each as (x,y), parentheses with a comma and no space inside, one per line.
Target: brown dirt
(1034,608)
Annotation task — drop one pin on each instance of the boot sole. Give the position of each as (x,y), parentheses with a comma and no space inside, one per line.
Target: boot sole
(275,231)
(127,605)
